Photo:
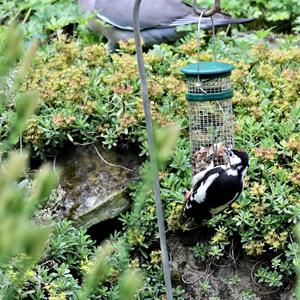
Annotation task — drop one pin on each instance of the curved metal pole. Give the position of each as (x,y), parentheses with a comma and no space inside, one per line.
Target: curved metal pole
(209,12)
(147,111)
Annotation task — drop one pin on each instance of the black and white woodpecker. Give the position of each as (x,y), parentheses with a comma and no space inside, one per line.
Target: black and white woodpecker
(215,188)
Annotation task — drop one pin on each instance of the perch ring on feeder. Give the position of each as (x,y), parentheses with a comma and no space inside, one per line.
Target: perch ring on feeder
(209,93)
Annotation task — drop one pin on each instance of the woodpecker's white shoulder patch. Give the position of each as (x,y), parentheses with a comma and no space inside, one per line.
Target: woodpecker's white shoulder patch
(200,194)
(232,172)
(200,175)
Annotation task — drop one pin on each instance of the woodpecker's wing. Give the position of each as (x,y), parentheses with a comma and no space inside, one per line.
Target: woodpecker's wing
(225,189)
(218,209)
(196,206)
(203,180)
(199,176)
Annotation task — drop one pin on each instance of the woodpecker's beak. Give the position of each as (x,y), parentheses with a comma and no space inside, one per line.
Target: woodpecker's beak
(227,151)
(209,158)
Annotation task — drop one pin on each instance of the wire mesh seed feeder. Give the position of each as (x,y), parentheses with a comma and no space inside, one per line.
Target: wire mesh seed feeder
(209,93)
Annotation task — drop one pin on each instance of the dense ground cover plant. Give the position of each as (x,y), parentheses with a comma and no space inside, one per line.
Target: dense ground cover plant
(282,14)
(40,258)
(107,105)
(76,84)
(40,18)
(88,95)
(18,238)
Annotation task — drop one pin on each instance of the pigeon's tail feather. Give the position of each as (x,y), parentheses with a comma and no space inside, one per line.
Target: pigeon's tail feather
(206,21)
(220,22)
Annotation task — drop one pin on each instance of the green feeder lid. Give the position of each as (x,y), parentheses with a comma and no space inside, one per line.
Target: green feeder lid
(210,68)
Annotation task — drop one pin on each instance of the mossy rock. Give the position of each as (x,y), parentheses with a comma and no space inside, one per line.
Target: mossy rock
(96,190)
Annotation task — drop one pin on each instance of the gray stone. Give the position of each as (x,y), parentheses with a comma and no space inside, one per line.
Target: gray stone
(95,190)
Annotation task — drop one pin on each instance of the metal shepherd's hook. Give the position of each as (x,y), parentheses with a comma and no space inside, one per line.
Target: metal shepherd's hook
(152,150)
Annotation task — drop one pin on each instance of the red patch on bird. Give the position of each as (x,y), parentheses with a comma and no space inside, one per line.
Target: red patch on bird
(187,195)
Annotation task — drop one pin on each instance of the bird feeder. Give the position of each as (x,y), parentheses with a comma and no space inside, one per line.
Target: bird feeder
(209,93)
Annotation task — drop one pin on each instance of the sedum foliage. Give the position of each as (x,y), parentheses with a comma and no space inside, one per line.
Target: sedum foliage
(47,260)
(19,240)
(76,83)
(107,106)
(283,14)
(86,95)
(40,18)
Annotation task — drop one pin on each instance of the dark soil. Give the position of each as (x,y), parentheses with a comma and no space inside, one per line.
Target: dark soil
(191,273)
(103,230)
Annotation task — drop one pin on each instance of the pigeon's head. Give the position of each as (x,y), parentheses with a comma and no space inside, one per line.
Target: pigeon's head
(238,158)
(87,6)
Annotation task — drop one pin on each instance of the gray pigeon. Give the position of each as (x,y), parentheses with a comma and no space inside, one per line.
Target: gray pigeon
(158,19)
